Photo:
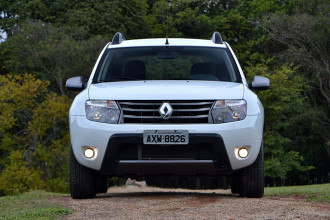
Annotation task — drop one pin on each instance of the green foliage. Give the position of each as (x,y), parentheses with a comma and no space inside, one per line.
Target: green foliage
(237,21)
(192,19)
(95,17)
(53,53)
(108,17)
(34,138)
(303,36)
(14,12)
(283,103)
(18,177)
(283,163)
(32,205)
(52,150)
(18,97)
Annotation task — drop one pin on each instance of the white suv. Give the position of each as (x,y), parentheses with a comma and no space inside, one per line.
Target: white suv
(166,106)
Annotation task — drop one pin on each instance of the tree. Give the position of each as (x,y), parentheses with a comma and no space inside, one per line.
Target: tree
(17,177)
(306,37)
(33,136)
(108,17)
(53,53)
(94,17)
(284,102)
(14,12)
(237,21)
(303,36)
(192,19)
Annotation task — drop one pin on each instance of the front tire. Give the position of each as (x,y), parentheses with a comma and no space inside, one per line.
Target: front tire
(251,178)
(82,179)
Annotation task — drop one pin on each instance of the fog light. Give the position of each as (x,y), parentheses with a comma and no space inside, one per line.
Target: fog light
(243,152)
(89,153)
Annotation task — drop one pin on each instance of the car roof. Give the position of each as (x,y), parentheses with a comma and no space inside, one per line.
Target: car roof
(171,42)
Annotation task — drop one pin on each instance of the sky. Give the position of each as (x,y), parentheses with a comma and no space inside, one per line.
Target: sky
(3,36)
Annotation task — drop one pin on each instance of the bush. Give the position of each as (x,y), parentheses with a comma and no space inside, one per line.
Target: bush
(34,141)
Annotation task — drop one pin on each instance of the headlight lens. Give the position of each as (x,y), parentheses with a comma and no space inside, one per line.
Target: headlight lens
(102,111)
(228,111)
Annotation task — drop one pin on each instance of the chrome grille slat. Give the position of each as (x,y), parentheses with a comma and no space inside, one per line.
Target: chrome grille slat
(196,103)
(142,110)
(195,116)
(137,116)
(192,110)
(184,111)
(138,103)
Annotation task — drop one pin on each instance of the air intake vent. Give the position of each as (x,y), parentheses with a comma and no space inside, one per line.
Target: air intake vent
(183,112)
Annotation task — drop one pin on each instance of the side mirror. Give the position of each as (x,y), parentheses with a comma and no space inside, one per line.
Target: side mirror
(75,83)
(259,83)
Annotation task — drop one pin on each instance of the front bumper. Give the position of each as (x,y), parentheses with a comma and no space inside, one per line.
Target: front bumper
(127,155)
(247,132)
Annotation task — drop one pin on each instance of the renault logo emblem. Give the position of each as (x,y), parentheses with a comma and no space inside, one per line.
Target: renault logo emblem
(165,110)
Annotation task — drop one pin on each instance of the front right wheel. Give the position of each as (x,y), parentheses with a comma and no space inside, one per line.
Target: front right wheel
(82,179)
(251,179)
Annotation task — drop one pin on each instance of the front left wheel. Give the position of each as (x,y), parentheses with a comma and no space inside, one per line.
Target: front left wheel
(251,178)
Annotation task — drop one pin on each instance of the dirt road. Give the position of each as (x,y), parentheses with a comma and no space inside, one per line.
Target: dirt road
(156,203)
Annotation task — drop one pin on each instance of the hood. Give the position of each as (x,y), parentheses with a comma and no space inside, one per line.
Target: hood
(166,90)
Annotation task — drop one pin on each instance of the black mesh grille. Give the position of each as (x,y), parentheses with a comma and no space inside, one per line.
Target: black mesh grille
(202,151)
(148,111)
(182,152)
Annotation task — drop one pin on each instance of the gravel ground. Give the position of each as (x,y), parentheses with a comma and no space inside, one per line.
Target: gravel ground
(156,203)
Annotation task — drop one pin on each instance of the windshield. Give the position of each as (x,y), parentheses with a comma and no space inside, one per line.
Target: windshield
(166,63)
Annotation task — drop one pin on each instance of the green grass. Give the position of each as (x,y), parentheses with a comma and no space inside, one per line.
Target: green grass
(32,205)
(315,193)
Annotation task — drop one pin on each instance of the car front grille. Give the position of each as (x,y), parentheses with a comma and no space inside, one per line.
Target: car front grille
(200,151)
(148,111)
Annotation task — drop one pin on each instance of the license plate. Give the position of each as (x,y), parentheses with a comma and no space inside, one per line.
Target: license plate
(165,137)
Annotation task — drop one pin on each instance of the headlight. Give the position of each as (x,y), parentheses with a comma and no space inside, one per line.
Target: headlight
(102,111)
(228,110)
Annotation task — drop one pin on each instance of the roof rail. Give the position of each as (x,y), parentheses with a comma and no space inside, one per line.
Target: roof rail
(216,38)
(118,38)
